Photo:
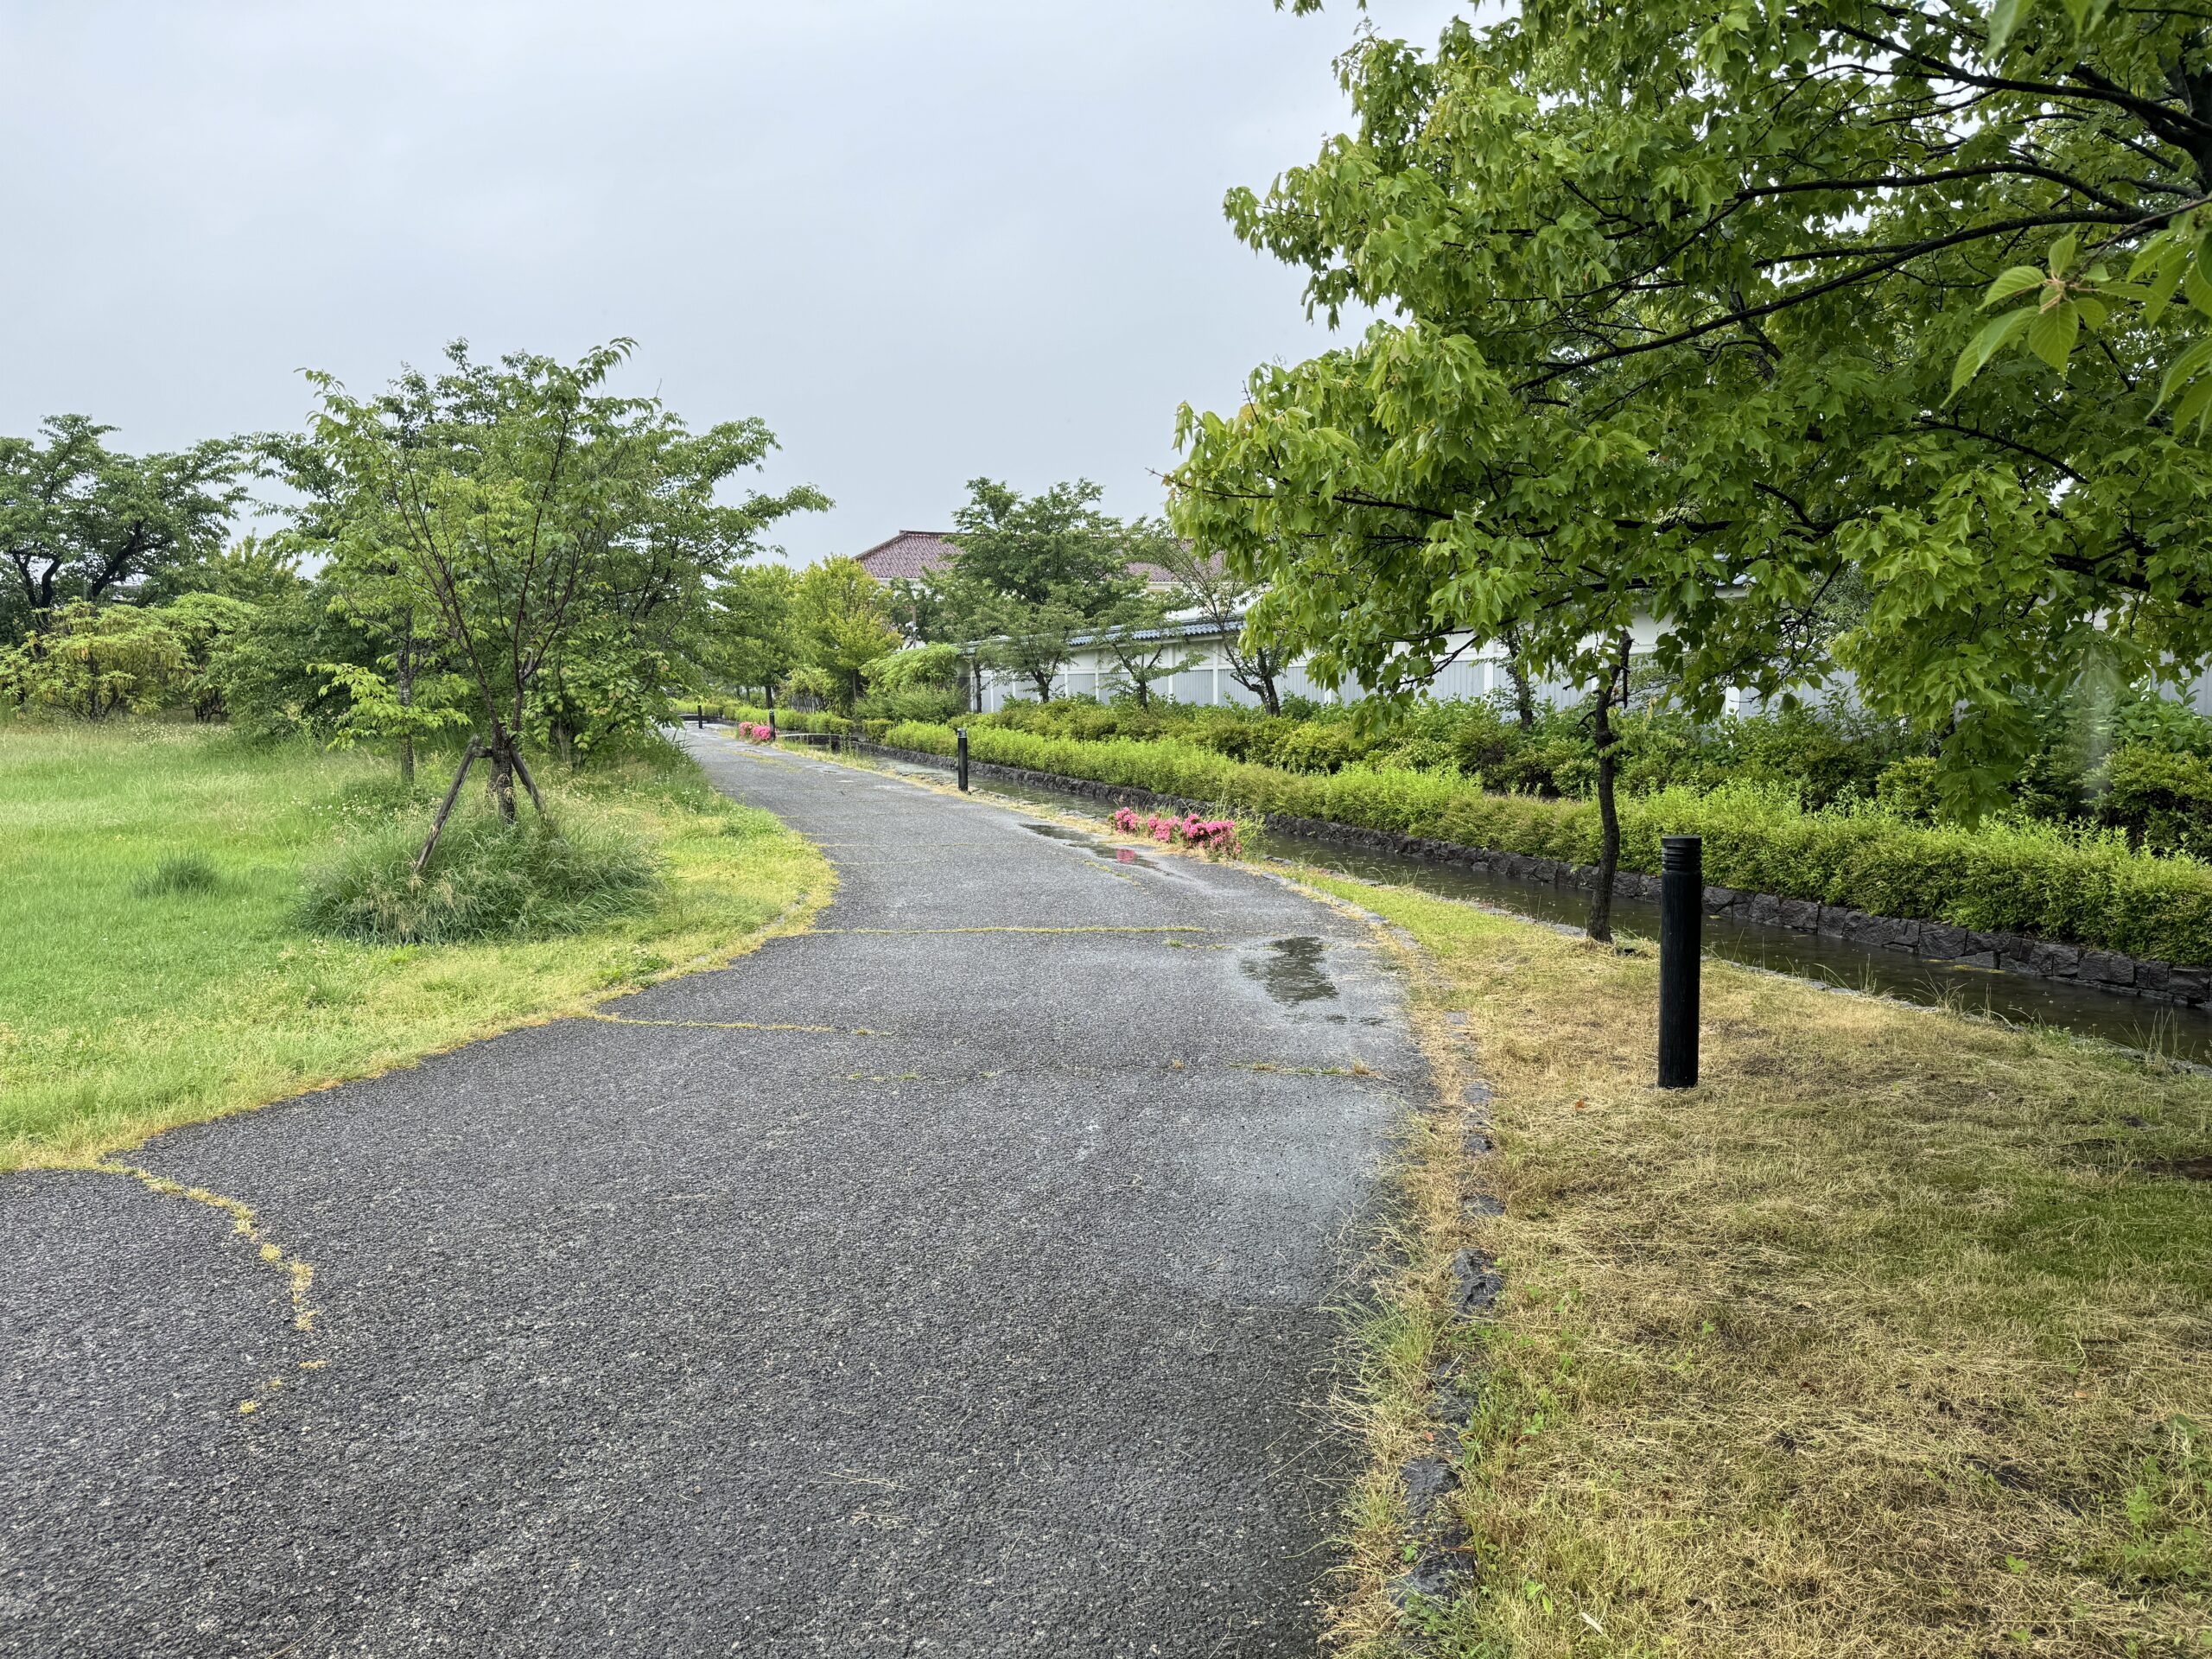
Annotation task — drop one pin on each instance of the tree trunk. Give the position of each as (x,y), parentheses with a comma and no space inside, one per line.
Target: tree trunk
(1270,695)
(501,782)
(407,702)
(1524,700)
(1610,692)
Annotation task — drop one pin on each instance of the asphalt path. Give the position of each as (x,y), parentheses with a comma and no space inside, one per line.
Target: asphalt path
(956,1278)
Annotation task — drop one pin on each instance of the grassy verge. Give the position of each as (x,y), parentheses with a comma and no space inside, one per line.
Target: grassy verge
(1894,1338)
(157,971)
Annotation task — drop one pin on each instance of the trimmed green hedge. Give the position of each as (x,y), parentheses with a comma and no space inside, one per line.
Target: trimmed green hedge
(2080,888)
(788,720)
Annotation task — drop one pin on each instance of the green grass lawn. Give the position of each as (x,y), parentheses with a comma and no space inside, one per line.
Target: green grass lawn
(1893,1337)
(128,1004)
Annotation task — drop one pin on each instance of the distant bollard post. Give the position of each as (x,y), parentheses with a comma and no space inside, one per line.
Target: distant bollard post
(1681,923)
(963,758)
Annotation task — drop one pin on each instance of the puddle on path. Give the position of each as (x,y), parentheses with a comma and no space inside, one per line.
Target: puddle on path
(1090,844)
(1292,973)
(2158,1027)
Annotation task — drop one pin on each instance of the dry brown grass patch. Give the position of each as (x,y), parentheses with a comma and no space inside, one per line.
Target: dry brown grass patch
(1892,1338)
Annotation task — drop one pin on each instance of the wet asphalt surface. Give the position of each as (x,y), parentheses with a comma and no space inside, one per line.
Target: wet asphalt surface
(989,1315)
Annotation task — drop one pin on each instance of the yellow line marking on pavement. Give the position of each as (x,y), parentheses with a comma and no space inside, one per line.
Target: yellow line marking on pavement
(243,1223)
(299,1275)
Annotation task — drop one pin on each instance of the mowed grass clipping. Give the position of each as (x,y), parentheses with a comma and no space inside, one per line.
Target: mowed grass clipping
(157,968)
(1893,1337)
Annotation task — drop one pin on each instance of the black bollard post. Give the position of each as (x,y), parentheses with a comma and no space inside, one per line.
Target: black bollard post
(1682,924)
(964,760)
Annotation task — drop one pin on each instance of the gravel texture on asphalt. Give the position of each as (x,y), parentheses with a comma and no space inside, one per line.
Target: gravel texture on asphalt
(990,1313)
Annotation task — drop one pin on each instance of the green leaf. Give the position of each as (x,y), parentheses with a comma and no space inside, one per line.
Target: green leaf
(2052,334)
(2197,287)
(2163,284)
(2063,253)
(2004,18)
(2196,406)
(2016,279)
(1987,344)
(2185,367)
(2092,311)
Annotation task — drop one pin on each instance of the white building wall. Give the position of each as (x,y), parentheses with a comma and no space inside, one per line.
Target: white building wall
(1480,672)
(1477,673)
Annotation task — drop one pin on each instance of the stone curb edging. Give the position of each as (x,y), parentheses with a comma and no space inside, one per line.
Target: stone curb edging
(1936,942)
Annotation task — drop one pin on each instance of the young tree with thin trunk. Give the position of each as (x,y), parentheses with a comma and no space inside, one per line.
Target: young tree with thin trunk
(524,510)
(1524,694)
(1612,694)
(1141,640)
(840,625)
(1206,583)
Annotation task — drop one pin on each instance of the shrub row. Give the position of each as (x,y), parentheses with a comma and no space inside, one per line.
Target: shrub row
(2066,884)
(786,720)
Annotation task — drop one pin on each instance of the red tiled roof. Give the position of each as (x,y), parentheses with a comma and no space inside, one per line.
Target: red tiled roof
(917,552)
(910,553)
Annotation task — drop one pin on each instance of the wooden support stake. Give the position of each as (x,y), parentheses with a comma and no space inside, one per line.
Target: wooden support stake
(438,824)
(528,782)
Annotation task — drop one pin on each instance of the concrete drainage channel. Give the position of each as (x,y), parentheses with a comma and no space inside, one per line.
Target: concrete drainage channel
(2154,1007)
(1442,1565)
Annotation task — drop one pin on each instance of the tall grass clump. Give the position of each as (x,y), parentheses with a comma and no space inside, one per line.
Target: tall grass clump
(178,873)
(487,880)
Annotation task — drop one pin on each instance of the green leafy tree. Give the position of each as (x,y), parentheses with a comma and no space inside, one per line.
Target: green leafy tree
(274,671)
(1208,586)
(1140,638)
(1034,573)
(1675,293)
(255,568)
(757,644)
(80,521)
(839,621)
(1036,548)
(535,523)
(919,668)
(206,624)
(1034,640)
(97,661)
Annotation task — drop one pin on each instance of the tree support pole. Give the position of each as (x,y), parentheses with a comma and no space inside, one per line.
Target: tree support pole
(438,824)
(528,782)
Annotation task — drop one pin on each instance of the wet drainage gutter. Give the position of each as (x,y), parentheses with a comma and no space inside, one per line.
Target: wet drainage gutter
(2160,1007)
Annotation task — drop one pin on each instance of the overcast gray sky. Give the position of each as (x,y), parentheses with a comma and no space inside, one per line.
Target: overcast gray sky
(924,239)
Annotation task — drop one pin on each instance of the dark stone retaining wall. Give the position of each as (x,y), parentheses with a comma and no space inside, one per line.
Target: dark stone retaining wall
(2106,970)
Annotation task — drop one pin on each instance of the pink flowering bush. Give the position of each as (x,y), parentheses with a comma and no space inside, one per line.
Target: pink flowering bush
(758,733)
(1212,835)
